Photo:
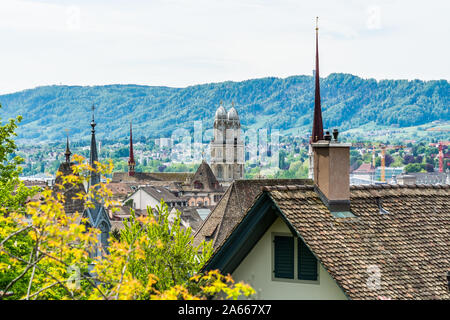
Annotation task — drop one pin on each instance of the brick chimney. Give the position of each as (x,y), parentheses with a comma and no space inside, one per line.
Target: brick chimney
(332,172)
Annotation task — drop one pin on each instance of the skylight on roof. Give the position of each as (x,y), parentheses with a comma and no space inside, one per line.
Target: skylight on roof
(343,214)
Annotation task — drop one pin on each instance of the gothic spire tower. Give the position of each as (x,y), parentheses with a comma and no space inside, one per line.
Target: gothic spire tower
(131,162)
(93,157)
(97,216)
(317,127)
(67,153)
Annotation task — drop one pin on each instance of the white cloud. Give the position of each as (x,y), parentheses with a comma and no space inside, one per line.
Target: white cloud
(181,42)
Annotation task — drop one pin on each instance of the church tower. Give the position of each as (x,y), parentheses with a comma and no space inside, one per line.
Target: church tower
(93,156)
(317,127)
(97,217)
(227,147)
(131,162)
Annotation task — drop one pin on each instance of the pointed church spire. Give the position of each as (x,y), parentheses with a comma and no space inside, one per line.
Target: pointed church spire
(131,162)
(67,153)
(95,177)
(317,128)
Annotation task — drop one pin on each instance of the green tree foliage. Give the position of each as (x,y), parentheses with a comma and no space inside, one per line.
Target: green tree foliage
(414,167)
(171,259)
(152,258)
(13,193)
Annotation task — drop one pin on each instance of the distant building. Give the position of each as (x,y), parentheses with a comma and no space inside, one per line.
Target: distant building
(423,178)
(389,173)
(164,142)
(227,147)
(364,174)
(151,196)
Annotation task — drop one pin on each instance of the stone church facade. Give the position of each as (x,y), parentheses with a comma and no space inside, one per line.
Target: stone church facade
(227,146)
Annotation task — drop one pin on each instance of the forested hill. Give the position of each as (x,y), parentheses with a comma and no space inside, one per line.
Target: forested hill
(347,101)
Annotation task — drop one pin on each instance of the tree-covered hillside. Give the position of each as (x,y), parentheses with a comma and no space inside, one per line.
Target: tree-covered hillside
(347,101)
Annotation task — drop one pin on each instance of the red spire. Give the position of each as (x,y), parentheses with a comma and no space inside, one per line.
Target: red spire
(131,162)
(317,128)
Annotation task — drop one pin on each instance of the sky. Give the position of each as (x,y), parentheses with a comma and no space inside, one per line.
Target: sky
(179,43)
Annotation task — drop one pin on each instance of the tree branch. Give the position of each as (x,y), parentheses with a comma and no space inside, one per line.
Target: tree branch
(13,234)
(29,266)
(36,250)
(44,271)
(82,275)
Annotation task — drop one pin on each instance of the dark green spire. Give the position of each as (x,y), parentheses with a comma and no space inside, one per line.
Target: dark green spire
(95,177)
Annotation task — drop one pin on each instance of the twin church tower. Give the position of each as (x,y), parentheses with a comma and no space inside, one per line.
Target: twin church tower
(227,146)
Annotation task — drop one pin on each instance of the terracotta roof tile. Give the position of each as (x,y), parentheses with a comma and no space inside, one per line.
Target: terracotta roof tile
(410,245)
(233,205)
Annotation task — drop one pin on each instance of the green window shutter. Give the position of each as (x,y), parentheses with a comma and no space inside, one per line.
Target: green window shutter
(284,257)
(307,263)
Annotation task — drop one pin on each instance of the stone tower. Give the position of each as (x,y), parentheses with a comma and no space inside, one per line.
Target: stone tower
(227,146)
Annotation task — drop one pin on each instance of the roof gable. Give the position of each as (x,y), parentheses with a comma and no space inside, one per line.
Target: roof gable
(206,178)
(233,205)
(409,245)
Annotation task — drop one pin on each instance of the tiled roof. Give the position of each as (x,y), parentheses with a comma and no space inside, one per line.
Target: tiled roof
(152,176)
(410,245)
(120,189)
(238,197)
(162,193)
(365,168)
(190,216)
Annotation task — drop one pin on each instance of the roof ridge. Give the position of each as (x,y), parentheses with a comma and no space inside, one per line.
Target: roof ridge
(226,193)
(399,186)
(288,187)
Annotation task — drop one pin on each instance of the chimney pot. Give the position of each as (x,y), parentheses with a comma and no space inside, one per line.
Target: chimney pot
(327,136)
(335,134)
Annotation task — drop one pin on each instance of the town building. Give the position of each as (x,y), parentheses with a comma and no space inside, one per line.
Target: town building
(151,196)
(238,197)
(364,174)
(423,178)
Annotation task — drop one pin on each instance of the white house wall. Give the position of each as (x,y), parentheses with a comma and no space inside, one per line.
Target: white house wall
(256,270)
(142,199)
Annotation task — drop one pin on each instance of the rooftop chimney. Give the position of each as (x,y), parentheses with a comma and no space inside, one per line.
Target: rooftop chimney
(332,172)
